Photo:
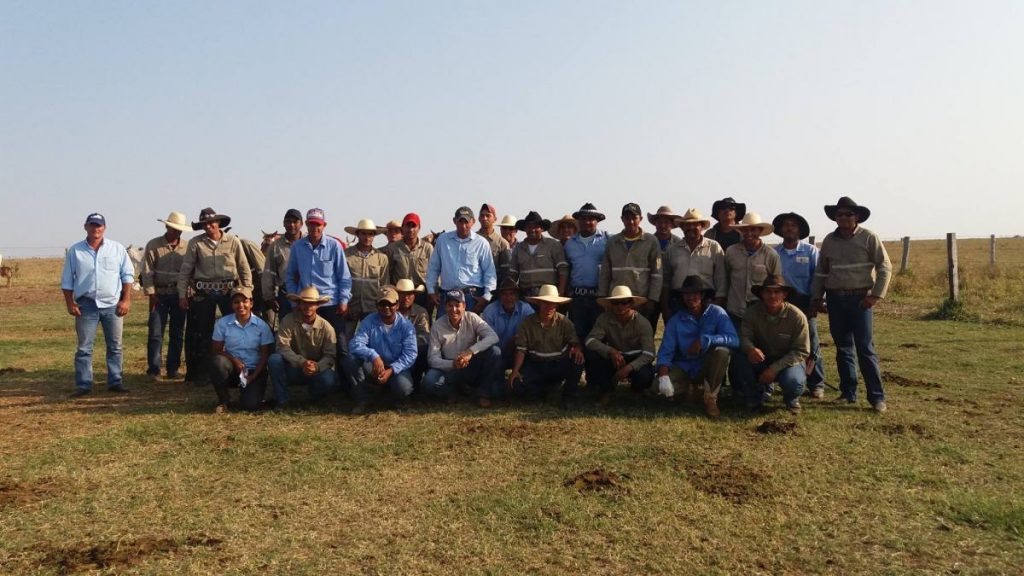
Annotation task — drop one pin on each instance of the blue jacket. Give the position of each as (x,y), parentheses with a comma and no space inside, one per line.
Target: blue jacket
(396,347)
(714,329)
(323,266)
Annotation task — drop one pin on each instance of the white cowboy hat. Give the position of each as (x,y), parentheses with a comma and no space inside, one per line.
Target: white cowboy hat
(178,221)
(406,285)
(753,220)
(620,293)
(507,221)
(663,211)
(693,215)
(548,293)
(365,225)
(309,294)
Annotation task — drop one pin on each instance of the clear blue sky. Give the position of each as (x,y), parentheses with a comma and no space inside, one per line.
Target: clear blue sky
(374,109)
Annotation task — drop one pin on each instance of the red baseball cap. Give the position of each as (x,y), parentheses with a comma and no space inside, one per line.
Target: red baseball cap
(411,217)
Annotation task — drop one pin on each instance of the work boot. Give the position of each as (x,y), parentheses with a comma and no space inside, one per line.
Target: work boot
(711,405)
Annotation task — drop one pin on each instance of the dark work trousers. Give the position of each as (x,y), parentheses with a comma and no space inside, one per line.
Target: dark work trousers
(539,376)
(224,376)
(202,314)
(167,308)
(601,373)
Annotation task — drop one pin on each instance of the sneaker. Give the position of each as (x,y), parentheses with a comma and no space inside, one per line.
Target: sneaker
(794,407)
(79,392)
(818,393)
(221,409)
(879,406)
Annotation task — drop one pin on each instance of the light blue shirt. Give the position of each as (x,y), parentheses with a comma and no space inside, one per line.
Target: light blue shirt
(396,346)
(243,342)
(714,328)
(323,266)
(798,266)
(584,256)
(504,323)
(460,263)
(97,274)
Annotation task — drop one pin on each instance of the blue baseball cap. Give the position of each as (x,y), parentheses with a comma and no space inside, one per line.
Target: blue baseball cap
(96,218)
(456,295)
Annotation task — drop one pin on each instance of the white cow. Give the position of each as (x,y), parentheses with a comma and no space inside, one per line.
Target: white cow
(136,254)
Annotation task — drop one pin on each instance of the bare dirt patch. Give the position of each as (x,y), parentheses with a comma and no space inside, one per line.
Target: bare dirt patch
(119,554)
(730,480)
(776,427)
(11,370)
(911,345)
(908,382)
(21,493)
(596,480)
(492,429)
(896,429)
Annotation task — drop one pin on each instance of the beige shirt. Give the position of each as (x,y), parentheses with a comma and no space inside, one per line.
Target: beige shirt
(404,262)
(446,342)
(211,261)
(852,263)
(634,337)
(500,251)
(545,343)
(638,267)
(369,274)
(783,338)
(161,266)
(706,260)
(745,271)
(276,266)
(545,265)
(297,344)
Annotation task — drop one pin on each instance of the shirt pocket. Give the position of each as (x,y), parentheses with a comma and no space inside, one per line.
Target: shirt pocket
(107,263)
(325,263)
(758,272)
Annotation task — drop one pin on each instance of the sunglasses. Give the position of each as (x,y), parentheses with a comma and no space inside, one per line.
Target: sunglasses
(386,305)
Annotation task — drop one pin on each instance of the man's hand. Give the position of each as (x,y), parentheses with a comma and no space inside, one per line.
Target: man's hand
(462,360)
(183,303)
(378,367)
(385,376)
(576,354)
(123,307)
(755,356)
(436,299)
(154,300)
(514,377)
(274,305)
(618,360)
(868,302)
(309,368)
(767,376)
(74,310)
(342,310)
(694,348)
(623,373)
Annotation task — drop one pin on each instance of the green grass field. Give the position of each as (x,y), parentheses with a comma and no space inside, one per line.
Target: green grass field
(155,483)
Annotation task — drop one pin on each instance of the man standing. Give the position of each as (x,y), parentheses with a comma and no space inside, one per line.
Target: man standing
(213,266)
(408,258)
(275,270)
(695,255)
(319,261)
(161,266)
(621,346)
(548,353)
(727,212)
(564,228)
(507,226)
(369,269)
(500,249)
(241,346)
(537,260)
(799,259)
(632,258)
(382,353)
(462,260)
(393,231)
(584,252)
(463,353)
(695,348)
(306,350)
(774,346)
(664,220)
(853,273)
(97,284)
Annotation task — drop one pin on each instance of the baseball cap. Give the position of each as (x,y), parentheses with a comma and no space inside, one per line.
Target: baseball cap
(456,295)
(243,291)
(411,217)
(489,208)
(631,209)
(96,218)
(315,215)
(389,295)
(464,213)
(293,214)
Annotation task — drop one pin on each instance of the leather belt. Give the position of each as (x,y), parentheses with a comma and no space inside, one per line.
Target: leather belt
(214,285)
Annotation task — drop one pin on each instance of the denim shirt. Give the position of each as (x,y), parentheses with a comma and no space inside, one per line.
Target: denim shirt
(243,342)
(323,266)
(504,323)
(798,266)
(396,347)
(460,263)
(97,274)
(714,329)
(584,258)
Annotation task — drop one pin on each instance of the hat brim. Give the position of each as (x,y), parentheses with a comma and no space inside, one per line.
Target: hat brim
(756,290)
(634,300)
(652,217)
(224,221)
(179,227)
(545,225)
(588,214)
(297,298)
(739,207)
(415,290)
(805,228)
(353,230)
(704,223)
(862,212)
(765,228)
(548,299)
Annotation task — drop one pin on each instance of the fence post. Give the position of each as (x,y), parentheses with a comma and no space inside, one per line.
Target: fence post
(954,273)
(992,251)
(906,254)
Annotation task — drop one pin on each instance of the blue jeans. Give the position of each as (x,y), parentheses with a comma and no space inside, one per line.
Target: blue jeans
(816,380)
(483,373)
(791,379)
(166,308)
(361,381)
(283,375)
(852,326)
(85,327)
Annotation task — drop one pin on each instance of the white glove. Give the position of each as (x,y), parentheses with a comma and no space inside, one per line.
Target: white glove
(241,378)
(665,387)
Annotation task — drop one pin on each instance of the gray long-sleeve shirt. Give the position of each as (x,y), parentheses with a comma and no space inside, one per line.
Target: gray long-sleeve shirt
(852,263)
(446,342)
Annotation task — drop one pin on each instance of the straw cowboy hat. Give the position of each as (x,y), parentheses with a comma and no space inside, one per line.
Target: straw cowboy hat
(309,294)
(548,293)
(862,212)
(753,220)
(365,225)
(620,293)
(692,284)
(406,285)
(772,281)
(176,220)
(393,224)
(588,210)
(728,202)
(556,225)
(692,216)
(533,218)
(209,215)
(805,228)
(507,221)
(663,212)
